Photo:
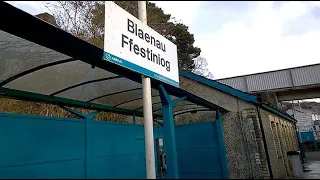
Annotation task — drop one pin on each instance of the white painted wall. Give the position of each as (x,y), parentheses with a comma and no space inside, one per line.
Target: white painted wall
(317,128)
(304,120)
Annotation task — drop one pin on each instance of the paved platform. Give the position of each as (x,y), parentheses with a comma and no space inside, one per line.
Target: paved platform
(311,170)
(311,167)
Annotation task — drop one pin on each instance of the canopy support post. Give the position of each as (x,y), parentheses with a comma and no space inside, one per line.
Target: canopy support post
(134,118)
(169,132)
(222,149)
(78,113)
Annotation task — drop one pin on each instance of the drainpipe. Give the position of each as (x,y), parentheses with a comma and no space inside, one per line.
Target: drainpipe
(301,146)
(265,143)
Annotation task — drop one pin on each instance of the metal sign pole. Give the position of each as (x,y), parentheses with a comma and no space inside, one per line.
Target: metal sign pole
(147,109)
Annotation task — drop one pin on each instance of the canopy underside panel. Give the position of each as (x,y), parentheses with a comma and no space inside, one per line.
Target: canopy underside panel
(53,76)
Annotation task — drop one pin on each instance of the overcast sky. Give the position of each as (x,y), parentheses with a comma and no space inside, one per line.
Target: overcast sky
(241,37)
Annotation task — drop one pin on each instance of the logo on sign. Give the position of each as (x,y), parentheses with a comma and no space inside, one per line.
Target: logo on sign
(108,57)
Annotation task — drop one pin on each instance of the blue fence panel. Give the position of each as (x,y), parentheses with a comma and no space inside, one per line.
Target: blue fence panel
(198,151)
(50,147)
(37,147)
(44,147)
(118,150)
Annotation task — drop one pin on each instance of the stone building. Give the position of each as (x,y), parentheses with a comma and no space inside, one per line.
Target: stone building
(257,136)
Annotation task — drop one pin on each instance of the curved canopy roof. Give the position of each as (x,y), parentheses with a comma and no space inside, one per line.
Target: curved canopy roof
(41,62)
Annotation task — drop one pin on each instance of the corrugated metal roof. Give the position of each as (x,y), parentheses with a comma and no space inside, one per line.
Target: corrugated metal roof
(286,78)
(237,83)
(266,81)
(306,75)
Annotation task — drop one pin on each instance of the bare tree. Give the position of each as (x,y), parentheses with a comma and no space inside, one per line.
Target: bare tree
(73,16)
(201,67)
(85,19)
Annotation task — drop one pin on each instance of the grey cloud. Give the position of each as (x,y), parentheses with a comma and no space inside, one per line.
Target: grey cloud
(216,13)
(303,24)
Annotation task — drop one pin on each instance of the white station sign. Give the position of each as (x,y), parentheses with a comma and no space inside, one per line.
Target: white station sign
(131,44)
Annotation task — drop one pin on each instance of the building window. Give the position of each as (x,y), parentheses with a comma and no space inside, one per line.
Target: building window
(313,117)
(293,138)
(276,139)
(314,127)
